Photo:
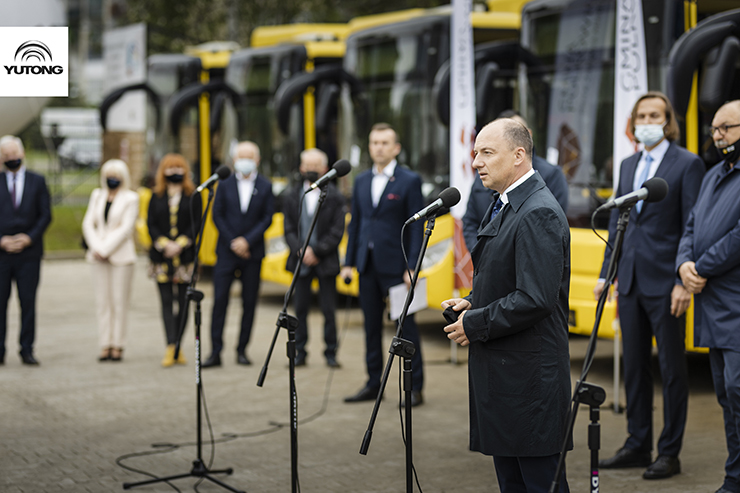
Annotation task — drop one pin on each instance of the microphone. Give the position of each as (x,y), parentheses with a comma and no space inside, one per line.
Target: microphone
(340,168)
(653,190)
(222,172)
(446,198)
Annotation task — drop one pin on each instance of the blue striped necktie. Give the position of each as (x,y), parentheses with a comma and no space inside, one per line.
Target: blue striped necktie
(643,178)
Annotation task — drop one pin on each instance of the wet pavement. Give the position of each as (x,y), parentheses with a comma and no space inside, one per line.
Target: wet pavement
(64,424)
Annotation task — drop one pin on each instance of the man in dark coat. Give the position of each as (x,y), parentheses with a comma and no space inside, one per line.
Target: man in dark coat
(480,197)
(321,259)
(652,299)
(708,262)
(382,199)
(25,213)
(242,212)
(516,318)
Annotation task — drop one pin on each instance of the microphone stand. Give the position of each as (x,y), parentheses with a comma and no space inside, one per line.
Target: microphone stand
(586,393)
(199,469)
(406,350)
(290,323)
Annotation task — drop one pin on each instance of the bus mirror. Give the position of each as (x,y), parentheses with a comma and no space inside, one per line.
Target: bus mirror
(719,67)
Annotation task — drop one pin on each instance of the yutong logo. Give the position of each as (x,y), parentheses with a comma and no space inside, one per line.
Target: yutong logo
(33,52)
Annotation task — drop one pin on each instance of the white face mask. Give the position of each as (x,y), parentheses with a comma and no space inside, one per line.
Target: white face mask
(245,166)
(649,134)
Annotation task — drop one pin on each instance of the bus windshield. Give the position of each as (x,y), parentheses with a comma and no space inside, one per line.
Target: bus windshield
(568,97)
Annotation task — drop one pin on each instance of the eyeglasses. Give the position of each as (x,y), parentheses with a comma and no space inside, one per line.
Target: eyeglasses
(722,129)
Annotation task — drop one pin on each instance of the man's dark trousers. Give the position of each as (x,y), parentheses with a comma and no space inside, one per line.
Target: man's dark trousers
(327,301)
(224,273)
(373,291)
(637,313)
(26,273)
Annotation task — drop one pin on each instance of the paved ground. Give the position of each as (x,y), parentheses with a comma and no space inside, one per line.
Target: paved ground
(64,424)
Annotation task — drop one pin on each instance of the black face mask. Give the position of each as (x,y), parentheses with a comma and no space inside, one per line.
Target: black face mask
(112,183)
(311,176)
(730,154)
(13,164)
(175,178)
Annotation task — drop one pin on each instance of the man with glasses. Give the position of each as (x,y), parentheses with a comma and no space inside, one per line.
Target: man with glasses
(652,300)
(709,264)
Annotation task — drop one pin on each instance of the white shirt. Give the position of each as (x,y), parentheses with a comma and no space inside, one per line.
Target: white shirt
(505,196)
(245,187)
(311,199)
(380,180)
(20,181)
(658,153)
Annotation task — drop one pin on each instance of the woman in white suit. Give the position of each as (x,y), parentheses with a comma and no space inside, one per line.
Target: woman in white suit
(108,228)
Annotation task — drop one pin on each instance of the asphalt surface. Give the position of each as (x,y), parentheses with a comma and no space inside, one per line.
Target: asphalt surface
(63,425)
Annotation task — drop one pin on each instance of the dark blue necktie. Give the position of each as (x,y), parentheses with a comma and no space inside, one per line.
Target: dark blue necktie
(496,208)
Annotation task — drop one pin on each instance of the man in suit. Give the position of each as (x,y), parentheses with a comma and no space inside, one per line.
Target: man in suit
(25,213)
(652,299)
(242,211)
(480,196)
(321,259)
(382,199)
(708,262)
(516,318)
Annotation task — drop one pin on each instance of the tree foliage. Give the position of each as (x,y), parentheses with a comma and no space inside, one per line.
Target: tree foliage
(175,24)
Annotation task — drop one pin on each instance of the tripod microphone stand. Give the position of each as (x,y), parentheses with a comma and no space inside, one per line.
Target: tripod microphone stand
(290,323)
(199,469)
(588,393)
(406,350)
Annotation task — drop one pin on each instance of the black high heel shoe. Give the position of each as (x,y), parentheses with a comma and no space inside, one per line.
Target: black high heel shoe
(105,355)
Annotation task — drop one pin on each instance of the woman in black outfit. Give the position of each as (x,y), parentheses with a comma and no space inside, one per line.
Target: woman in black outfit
(173,243)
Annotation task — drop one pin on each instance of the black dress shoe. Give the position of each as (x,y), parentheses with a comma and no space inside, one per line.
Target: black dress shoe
(416,399)
(213,360)
(28,359)
(242,359)
(626,457)
(366,394)
(332,362)
(664,466)
(300,360)
(723,490)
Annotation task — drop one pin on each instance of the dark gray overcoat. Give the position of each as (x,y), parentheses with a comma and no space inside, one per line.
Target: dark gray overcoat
(519,366)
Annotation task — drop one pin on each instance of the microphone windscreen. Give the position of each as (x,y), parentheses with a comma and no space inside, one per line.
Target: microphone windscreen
(657,189)
(450,196)
(223,172)
(342,167)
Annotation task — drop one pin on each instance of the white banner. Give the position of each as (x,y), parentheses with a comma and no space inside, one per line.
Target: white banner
(124,53)
(630,77)
(462,103)
(34,61)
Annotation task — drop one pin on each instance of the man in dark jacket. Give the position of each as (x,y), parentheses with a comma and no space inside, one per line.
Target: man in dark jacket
(480,197)
(25,213)
(242,212)
(708,262)
(516,318)
(652,299)
(321,259)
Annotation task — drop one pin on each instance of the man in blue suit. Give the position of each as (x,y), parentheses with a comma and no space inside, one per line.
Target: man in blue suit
(382,199)
(652,299)
(709,264)
(25,213)
(242,211)
(480,197)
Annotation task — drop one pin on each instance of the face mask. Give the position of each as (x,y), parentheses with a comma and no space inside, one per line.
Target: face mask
(730,153)
(13,164)
(175,178)
(112,183)
(310,176)
(649,134)
(245,166)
